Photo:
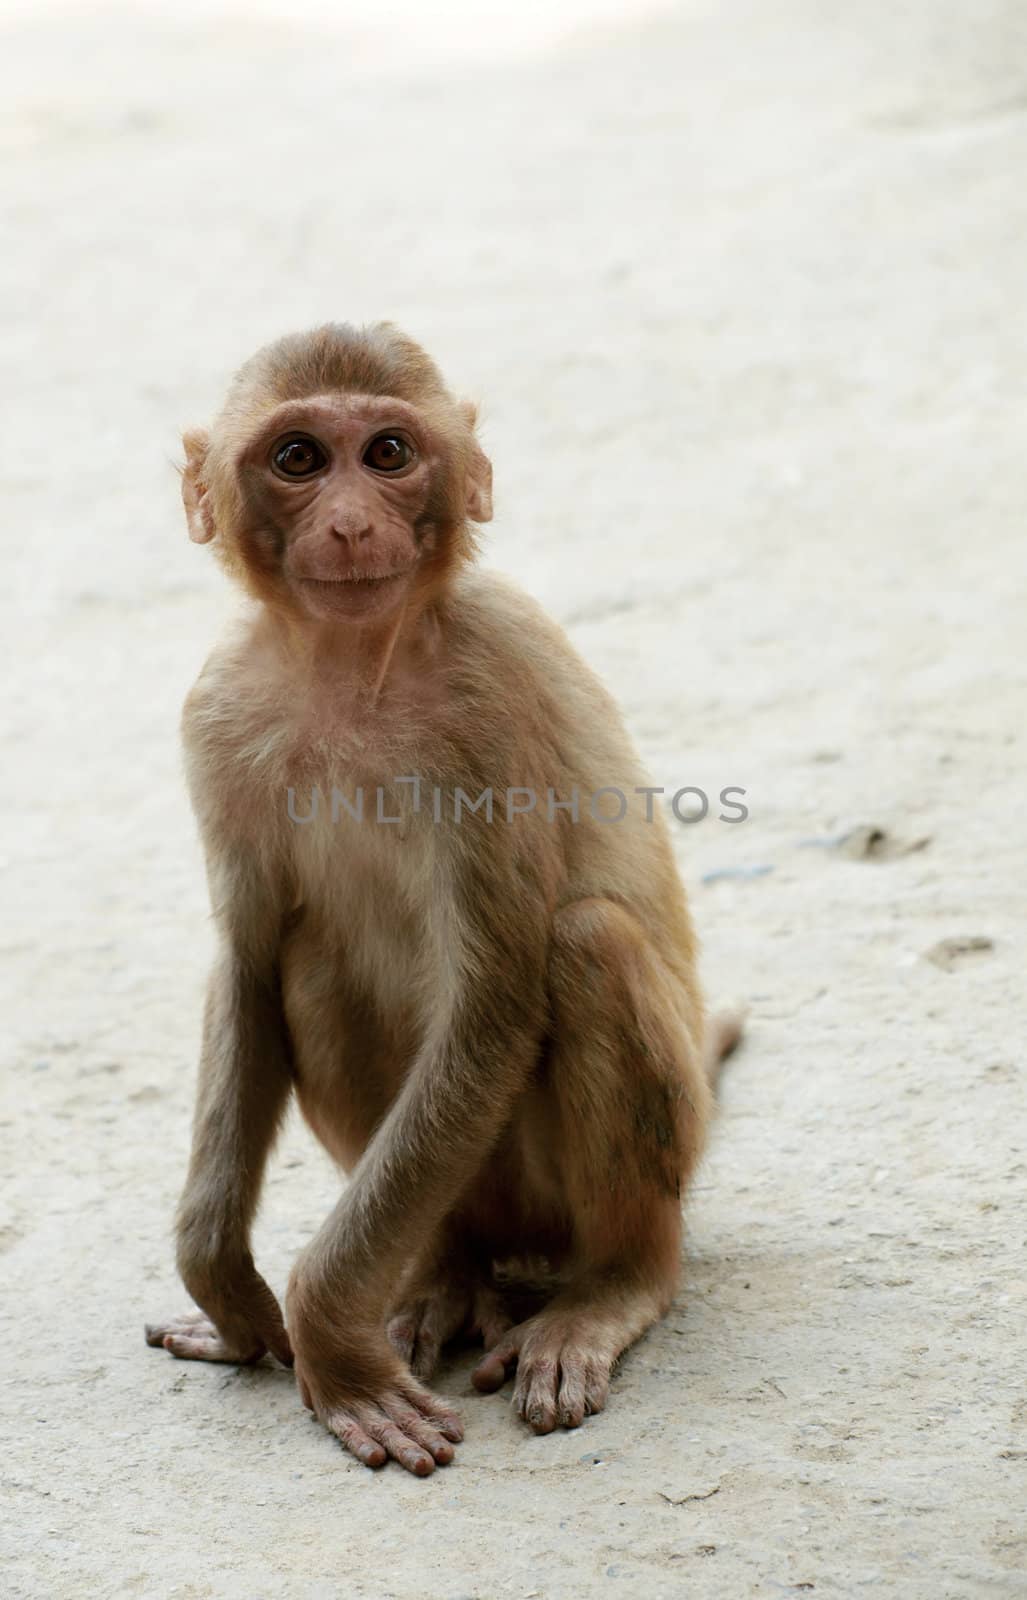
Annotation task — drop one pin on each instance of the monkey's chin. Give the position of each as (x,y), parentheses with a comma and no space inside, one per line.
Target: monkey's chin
(351,599)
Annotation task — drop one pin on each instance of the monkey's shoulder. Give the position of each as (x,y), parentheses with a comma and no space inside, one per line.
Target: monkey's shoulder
(237,727)
(506,650)
(497,624)
(236,685)
(496,609)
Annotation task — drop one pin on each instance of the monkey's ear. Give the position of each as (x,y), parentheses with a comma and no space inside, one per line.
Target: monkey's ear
(479,487)
(198,515)
(479,473)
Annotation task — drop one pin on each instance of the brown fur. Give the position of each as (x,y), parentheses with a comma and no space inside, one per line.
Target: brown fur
(497,1029)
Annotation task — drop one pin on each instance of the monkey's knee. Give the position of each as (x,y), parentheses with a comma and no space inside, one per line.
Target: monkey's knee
(607,976)
(597,951)
(594,925)
(626,1073)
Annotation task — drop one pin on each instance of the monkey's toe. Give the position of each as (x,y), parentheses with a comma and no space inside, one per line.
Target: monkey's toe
(425,1357)
(570,1405)
(402,1334)
(418,1342)
(564,1397)
(489,1316)
(421,1327)
(559,1382)
(495,1367)
(535,1395)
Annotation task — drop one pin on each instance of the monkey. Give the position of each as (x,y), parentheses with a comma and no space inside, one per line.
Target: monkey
(494,1025)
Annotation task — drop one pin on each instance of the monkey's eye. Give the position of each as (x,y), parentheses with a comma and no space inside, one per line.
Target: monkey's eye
(388,453)
(298,458)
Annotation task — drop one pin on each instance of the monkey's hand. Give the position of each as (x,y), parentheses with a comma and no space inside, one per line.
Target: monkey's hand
(363,1393)
(245,1322)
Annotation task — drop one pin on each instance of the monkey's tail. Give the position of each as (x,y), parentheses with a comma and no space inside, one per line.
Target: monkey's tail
(724,1033)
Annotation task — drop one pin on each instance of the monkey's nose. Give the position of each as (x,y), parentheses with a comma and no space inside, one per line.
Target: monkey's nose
(351,533)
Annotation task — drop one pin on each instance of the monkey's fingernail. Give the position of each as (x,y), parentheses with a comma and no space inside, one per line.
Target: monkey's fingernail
(452,1429)
(421,1465)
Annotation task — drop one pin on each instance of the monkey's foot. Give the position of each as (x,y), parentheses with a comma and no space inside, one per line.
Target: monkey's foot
(194,1337)
(433,1313)
(563,1370)
(428,1317)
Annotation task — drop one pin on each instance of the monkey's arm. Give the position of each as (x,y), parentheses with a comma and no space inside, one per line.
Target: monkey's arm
(245,1079)
(434,1140)
(426,1152)
(479,1049)
(243,1091)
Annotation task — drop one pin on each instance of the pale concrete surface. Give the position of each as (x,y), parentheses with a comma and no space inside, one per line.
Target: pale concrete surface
(744,289)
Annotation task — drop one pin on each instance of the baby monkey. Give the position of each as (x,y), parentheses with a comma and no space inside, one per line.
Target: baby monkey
(483,992)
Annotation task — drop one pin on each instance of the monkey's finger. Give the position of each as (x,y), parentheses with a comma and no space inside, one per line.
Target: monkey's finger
(156,1332)
(353,1438)
(189,1349)
(205,1349)
(415,1427)
(494,1368)
(447,1421)
(398,1444)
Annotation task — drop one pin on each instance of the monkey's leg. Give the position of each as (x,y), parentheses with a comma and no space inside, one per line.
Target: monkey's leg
(631,1103)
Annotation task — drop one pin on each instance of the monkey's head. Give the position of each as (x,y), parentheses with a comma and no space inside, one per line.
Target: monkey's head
(340,477)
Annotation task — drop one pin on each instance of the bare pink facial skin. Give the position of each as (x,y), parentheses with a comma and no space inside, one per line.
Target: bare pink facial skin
(347,536)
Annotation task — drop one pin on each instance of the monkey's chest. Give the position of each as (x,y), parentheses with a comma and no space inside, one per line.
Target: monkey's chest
(368,959)
(375,912)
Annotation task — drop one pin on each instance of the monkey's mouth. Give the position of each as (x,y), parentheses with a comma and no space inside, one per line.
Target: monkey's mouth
(352,583)
(355,582)
(353,594)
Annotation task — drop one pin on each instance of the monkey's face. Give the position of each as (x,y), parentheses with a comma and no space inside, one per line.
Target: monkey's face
(342,502)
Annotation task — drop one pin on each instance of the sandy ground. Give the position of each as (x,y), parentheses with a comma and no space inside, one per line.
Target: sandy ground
(744,289)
